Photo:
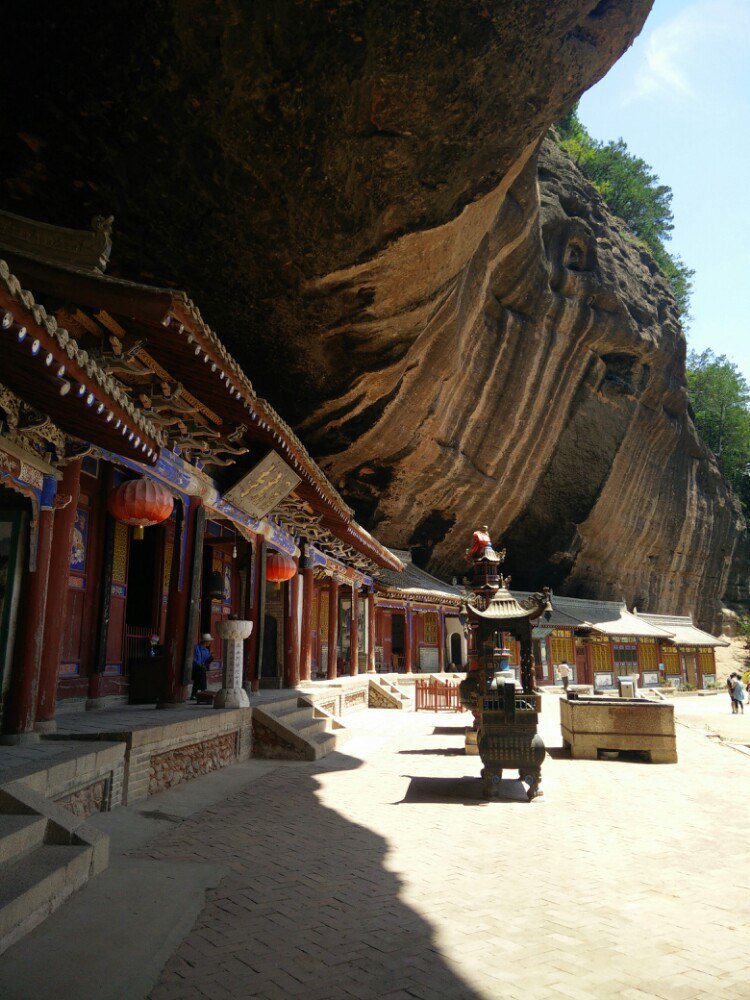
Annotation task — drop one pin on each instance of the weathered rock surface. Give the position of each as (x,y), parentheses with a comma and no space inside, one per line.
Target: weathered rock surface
(545,392)
(351,192)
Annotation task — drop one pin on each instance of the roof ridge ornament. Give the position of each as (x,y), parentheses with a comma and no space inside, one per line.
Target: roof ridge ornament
(82,250)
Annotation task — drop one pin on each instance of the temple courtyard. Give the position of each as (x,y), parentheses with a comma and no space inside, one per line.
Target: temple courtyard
(380,872)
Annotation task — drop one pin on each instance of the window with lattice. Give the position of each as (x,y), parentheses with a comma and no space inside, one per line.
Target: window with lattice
(324,612)
(431,629)
(600,656)
(625,655)
(648,655)
(671,660)
(562,649)
(706,661)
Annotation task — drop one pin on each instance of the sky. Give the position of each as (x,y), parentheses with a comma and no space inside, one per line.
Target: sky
(680,98)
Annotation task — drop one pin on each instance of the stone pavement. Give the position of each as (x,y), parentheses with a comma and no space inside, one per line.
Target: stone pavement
(713,714)
(381,873)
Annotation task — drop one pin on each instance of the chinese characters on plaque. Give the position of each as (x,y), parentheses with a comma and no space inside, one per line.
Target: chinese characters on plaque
(263,487)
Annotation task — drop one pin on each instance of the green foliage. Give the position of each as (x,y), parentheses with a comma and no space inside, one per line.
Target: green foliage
(743,630)
(720,397)
(632,190)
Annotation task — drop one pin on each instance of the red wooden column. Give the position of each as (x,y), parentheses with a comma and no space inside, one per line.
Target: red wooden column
(308,600)
(20,711)
(354,634)
(182,603)
(291,642)
(333,628)
(252,613)
(57,594)
(441,641)
(370,632)
(408,640)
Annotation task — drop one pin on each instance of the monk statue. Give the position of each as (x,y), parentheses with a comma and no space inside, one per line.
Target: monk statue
(481,545)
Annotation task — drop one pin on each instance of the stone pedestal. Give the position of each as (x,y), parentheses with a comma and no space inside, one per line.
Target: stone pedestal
(232,633)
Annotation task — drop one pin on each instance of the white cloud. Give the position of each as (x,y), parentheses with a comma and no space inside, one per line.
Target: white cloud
(676,50)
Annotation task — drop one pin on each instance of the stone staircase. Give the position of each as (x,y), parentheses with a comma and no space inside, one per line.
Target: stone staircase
(46,853)
(296,729)
(385,694)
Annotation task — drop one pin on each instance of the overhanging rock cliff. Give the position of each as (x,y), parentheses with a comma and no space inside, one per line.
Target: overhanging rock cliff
(353,191)
(544,392)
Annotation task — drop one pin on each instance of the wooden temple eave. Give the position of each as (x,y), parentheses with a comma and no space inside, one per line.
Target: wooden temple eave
(330,567)
(165,356)
(414,598)
(45,367)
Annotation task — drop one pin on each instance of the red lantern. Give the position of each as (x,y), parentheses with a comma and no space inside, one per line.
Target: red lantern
(140,502)
(280,566)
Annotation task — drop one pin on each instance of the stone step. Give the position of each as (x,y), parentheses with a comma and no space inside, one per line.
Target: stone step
(313,727)
(298,719)
(331,740)
(303,726)
(20,833)
(33,885)
(281,709)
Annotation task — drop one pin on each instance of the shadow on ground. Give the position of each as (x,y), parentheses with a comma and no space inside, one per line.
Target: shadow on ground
(309,908)
(466,791)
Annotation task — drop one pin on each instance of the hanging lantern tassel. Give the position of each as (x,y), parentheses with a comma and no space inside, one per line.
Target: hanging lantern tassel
(279,567)
(141,503)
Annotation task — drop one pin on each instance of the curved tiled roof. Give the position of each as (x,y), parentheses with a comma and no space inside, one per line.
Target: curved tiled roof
(81,358)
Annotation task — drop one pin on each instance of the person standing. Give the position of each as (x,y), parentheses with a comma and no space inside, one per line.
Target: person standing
(730,692)
(563,672)
(201,659)
(738,696)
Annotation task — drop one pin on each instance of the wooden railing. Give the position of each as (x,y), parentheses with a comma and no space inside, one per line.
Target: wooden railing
(432,695)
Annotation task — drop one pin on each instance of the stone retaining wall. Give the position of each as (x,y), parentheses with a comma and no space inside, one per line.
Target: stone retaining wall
(89,799)
(159,757)
(175,766)
(84,783)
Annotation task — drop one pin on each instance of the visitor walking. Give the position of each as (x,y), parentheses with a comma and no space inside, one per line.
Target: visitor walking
(730,692)
(738,695)
(563,672)
(201,659)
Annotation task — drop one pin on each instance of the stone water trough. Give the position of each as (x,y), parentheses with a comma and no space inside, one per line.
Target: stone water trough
(618,724)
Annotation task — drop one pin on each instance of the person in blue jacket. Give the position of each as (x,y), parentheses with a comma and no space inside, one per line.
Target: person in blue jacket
(201,659)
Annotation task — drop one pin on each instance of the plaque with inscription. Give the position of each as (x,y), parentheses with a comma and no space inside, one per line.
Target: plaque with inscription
(263,487)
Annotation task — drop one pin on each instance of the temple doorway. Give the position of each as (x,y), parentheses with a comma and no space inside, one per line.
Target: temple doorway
(690,668)
(455,650)
(144,576)
(398,640)
(14,519)
(269,666)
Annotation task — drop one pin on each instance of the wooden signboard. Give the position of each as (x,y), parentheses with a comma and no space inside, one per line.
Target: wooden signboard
(263,487)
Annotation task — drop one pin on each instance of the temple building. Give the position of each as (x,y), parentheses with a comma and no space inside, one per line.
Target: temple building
(417,626)
(602,640)
(146,494)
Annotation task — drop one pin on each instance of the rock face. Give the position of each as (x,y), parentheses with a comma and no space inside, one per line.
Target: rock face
(354,193)
(544,393)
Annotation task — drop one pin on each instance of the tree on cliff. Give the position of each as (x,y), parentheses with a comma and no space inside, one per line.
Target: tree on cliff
(720,398)
(632,190)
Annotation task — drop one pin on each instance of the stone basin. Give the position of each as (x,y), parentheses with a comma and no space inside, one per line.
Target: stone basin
(627,724)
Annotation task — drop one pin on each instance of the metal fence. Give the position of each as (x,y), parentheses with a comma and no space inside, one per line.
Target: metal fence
(432,695)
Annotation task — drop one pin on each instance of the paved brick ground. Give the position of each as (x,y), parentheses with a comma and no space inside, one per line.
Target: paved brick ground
(381,873)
